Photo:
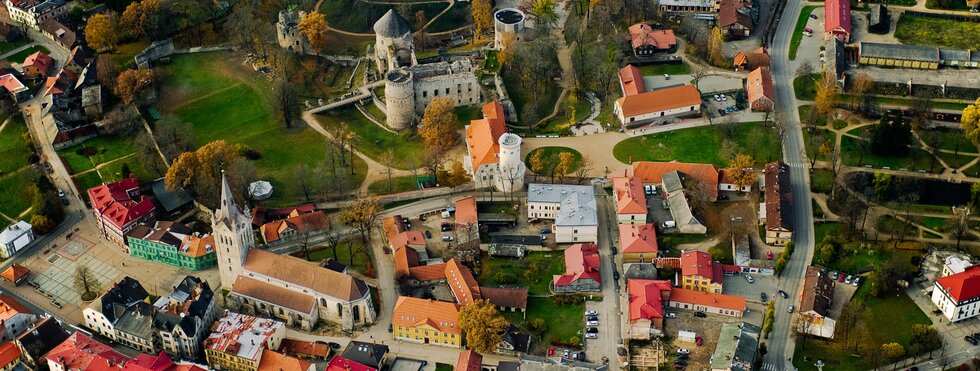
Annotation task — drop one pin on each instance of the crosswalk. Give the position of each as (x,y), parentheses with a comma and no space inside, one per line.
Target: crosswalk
(769,367)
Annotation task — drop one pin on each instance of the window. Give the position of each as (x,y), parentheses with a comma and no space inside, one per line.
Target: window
(425,94)
(447,91)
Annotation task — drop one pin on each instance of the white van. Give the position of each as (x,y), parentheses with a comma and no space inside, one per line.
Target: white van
(669,224)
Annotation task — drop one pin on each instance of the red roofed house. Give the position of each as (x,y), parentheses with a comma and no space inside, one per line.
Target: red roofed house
(81,352)
(638,242)
(758,86)
(119,207)
(482,149)
(651,172)
(460,280)
(581,270)
(734,19)
(631,80)
(294,226)
(466,214)
(727,305)
(10,356)
(700,273)
(748,61)
(339,363)
(647,298)
(956,295)
(778,198)
(838,22)
(631,202)
(37,65)
(469,360)
(644,40)
(15,88)
(658,107)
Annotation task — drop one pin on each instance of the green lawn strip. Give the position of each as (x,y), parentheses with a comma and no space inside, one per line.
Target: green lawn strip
(112,171)
(86,181)
(947,5)
(917,159)
(361,258)
(947,33)
(359,16)
(794,43)
(125,53)
(14,192)
(8,46)
(443,367)
(491,63)
(398,184)
(536,271)
(20,56)
(905,102)
(465,114)
(890,224)
(660,69)
(821,181)
(921,208)
(700,145)
(806,87)
(927,234)
(951,139)
(551,155)
(860,131)
(106,148)
(934,223)
(562,321)
(372,140)
(956,161)
(12,149)
(375,112)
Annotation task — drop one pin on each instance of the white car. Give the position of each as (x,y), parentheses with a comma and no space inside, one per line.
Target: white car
(671,315)
(666,77)
(749,278)
(591,313)
(591,336)
(855,281)
(790,308)
(848,279)
(683,351)
(592,323)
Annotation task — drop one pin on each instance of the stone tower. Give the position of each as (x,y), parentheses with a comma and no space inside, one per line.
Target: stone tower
(287,31)
(399,98)
(510,167)
(394,46)
(233,236)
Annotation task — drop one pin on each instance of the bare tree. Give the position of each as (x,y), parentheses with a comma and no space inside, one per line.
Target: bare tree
(959,225)
(388,158)
(287,102)
(699,73)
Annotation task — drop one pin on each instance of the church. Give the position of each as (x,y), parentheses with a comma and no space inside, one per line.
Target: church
(282,287)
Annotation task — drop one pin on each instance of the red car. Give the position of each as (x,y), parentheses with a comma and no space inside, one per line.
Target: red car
(840,278)
(697,341)
(769,255)
(808,29)
(551,351)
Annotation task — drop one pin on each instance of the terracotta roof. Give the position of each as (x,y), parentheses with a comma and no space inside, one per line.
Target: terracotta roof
(392,226)
(15,272)
(339,363)
(838,15)
(11,83)
(638,238)
(308,348)
(275,361)
(80,351)
(729,14)
(428,272)
(630,198)
(659,100)
(730,302)
(752,60)
(482,135)
(143,361)
(461,281)
(8,353)
(652,172)
(818,292)
(113,202)
(699,263)
(581,262)
(405,259)
(962,286)
(642,35)
(301,223)
(466,211)
(269,293)
(632,80)
(197,246)
(506,297)
(10,307)
(303,274)
(413,312)
(407,238)
(777,195)
(647,299)
(758,85)
(38,60)
(469,360)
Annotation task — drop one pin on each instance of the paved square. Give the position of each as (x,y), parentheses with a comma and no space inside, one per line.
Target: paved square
(58,279)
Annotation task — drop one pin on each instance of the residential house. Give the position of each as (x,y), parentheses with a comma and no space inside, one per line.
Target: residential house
(11,357)
(275,361)
(779,231)
(466,212)
(581,270)
(646,307)
(125,305)
(492,157)
(638,242)
(677,188)
(92,101)
(749,61)
(645,41)
(239,342)
(900,55)
(735,19)
(469,360)
(700,273)
(373,355)
(738,346)
(631,80)
(837,23)
(339,363)
(705,176)
(759,89)
(15,318)
(37,65)
(572,207)
(513,342)
(658,107)
(182,319)
(427,322)
(15,274)
(14,238)
(261,215)
(460,280)
(80,352)
(879,21)
(294,226)
(958,295)
(38,340)
(119,207)
(172,202)
(630,200)
(685,6)
(11,85)
(721,304)
(172,243)
(815,302)
(58,33)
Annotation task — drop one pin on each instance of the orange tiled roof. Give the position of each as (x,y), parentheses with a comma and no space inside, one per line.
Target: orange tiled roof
(646,299)
(406,258)
(413,312)
(275,361)
(407,238)
(752,60)
(10,307)
(469,360)
(428,272)
(758,85)
(304,274)
(652,172)
(15,272)
(461,281)
(638,239)
(642,34)
(482,135)
(630,198)
(708,299)
(38,60)
(659,100)
(466,211)
(8,353)
(632,80)
(699,263)
(197,246)
(301,223)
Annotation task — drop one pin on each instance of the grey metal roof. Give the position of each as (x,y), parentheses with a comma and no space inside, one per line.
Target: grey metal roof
(737,347)
(672,181)
(900,52)
(577,203)
(170,200)
(392,25)
(680,210)
(954,55)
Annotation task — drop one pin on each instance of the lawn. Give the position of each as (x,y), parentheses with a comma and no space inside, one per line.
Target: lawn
(361,258)
(794,43)
(660,69)
(956,161)
(701,145)
(906,102)
(12,149)
(562,321)
(951,139)
(491,63)
(937,32)
(560,124)
(804,111)
(398,184)
(373,140)
(821,181)
(936,224)
(443,367)
(917,159)
(465,114)
(98,150)
(86,181)
(534,271)
(20,56)
(455,18)
(551,155)
(125,54)
(14,191)
(8,46)
(806,87)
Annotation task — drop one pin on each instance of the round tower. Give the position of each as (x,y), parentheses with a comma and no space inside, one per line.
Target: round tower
(507,20)
(394,44)
(399,98)
(510,167)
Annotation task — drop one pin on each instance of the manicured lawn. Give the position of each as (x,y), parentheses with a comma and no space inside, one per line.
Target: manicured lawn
(805,111)
(917,159)
(806,87)
(8,46)
(951,139)
(551,155)
(937,32)
(105,149)
(670,69)
(361,258)
(535,271)
(20,56)
(125,53)
(936,224)
(821,181)
(465,114)
(12,149)
(701,145)
(372,140)
(794,43)
(398,184)
(443,367)
(455,18)
(562,321)
(956,161)
(86,181)
(14,191)
(560,123)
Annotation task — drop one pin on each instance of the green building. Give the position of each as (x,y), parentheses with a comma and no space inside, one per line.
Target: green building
(172,243)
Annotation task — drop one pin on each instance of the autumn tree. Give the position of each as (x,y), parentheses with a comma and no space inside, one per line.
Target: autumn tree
(506,50)
(313,26)
(200,172)
(140,17)
(861,84)
(455,175)
(131,83)
(970,122)
(482,16)
(101,32)
(106,70)
(438,128)
(740,171)
(539,164)
(86,283)
(892,351)
(827,92)
(481,323)
(566,164)
(715,43)
(361,215)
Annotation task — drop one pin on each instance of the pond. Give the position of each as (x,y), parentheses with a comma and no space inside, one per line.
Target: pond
(929,191)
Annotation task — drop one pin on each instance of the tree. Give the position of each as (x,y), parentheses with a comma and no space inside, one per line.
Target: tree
(715,43)
(438,128)
(740,171)
(959,225)
(805,69)
(131,83)
(926,337)
(457,175)
(848,319)
(892,136)
(584,167)
(140,17)
(566,160)
(539,164)
(970,122)
(827,92)
(827,253)
(482,17)
(544,10)
(287,100)
(892,351)
(699,73)
(101,32)
(200,172)
(388,158)
(432,161)
(361,214)
(506,46)
(885,280)
(481,323)
(106,70)
(86,283)
(313,26)
(41,224)
(861,84)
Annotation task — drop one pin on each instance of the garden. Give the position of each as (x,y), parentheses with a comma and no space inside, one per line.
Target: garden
(938,32)
(703,144)
(105,159)
(536,271)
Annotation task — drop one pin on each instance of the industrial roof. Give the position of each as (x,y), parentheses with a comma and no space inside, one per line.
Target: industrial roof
(577,202)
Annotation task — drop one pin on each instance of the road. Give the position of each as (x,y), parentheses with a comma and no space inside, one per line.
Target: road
(610,329)
(781,341)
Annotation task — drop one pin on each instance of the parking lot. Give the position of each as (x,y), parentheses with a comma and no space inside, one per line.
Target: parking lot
(752,292)
(656,212)
(596,348)
(719,105)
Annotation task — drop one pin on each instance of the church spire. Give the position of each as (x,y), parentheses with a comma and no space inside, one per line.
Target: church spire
(228,209)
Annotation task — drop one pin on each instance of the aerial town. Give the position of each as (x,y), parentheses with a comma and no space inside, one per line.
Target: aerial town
(489,185)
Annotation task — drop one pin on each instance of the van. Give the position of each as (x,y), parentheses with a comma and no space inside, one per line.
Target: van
(669,224)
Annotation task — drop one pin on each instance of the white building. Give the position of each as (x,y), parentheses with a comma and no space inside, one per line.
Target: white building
(15,318)
(32,14)
(954,264)
(572,207)
(15,237)
(658,107)
(958,295)
(493,156)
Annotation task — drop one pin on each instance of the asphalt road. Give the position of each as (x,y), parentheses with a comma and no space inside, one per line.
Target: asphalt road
(781,341)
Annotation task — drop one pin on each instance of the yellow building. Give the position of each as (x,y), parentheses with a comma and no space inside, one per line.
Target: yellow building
(238,341)
(427,322)
(700,273)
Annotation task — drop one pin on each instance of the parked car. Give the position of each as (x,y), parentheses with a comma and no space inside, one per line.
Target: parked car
(855,282)
(647,190)
(591,336)
(808,29)
(666,77)
(591,318)
(580,356)
(722,112)
(700,315)
(683,351)
(698,341)
(848,279)
(592,330)
(544,231)
(428,234)
(833,275)
(678,367)
(769,255)
(565,353)
(783,294)
(671,315)
(680,362)
(592,323)
(447,238)
(724,98)
(616,275)
(61,193)
(446,227)
(334,345)
(749,278)
(406,221)
(551,351)
(813,16)
(970,340)
(840,277)
(764,297)
(790,308)
(591,313)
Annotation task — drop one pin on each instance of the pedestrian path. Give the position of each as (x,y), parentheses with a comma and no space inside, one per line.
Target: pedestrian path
(17,50)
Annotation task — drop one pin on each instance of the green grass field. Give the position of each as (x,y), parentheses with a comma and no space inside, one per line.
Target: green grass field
(905,102)
(806,87)
(8,46)
(660,69)
(936,224)
(359,16)
(563,321)
(821,181)
(701,145)
(937,32)
(794,43)
(951,139)
(398,184)
(917,159)
(372,140)
(105,149)
(956,161)
(20,56)
(557,125)
(361,258)
(535,271)
(14,191)
(551,155)
(12,149)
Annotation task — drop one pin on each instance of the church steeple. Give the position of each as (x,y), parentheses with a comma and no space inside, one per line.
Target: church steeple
(233,236)
(227,210)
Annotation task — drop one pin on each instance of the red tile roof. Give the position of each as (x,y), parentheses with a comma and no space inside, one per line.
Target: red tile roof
(38,60)
(15,272)
(777,195)
(708,299)
(405,259)
(638,239)
(699,263)
(752,60)
(305,348)
(632,80)
(581,262)
(301,223)
(78,352)
(339,363)
(466,211)
(275,361)
(728,14)
(659,100)
(963,286)
(482,135)
(408,238)
(114,204)
(642,34)
(647,298)
(838,16)
(461,281)
(8,353)
(428,272)
(652,172)
(630,198)
(10,307)
(469,360)
(11,83)
(758,85)
(440,315)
